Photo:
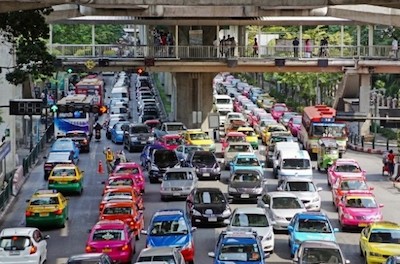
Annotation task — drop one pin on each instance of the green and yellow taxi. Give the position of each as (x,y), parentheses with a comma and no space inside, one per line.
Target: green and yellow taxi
(198,137)
(66,178)
(265,101)
(46,208)
(270,130)
(251,136)
(379,241)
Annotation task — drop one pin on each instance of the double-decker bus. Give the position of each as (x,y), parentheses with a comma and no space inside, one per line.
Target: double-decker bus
(79,120)
(319,121)
(92,85)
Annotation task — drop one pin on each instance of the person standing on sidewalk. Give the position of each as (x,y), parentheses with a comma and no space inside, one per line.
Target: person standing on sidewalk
(390,160)
(109,159)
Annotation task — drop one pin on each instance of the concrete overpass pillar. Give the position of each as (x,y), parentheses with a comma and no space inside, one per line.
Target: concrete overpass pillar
(371,40)
(364,107)
(241,41)
(194,93)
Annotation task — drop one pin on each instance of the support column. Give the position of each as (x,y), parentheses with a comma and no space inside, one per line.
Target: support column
(358,40)
(365,91)
(371,40)
(51,38)
(300,41)
(194,94)
(176,41)
(241,43)
(259,41)
(93,41)
(218,40)
(341,40)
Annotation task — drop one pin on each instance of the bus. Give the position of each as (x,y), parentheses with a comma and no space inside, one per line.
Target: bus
(79,120)
(92,85)
(320,121)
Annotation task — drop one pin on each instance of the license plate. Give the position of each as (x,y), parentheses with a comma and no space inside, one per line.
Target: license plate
(107,250)
(206,174)
(176,194)
(245,195)
(44,214)
(212,219)
(362,224)
(143,142)
(14,253)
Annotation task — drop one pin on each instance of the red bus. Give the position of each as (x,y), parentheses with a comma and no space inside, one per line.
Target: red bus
(92,85)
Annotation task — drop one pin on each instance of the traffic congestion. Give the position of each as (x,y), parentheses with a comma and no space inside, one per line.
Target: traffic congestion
(126,186)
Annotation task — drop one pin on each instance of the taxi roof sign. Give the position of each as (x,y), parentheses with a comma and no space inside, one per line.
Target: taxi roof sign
(46,191)
(168,212)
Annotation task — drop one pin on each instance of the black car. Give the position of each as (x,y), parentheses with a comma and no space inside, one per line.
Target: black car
(80,138)
(160,161)
(55,158)
(136,136)
(205,163)
(207,206)
(246,185)
(90,258)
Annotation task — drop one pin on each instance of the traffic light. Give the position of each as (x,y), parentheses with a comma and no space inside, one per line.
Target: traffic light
(70,70)
(81,108)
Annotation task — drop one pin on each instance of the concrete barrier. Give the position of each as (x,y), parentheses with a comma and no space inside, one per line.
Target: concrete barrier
(18,180)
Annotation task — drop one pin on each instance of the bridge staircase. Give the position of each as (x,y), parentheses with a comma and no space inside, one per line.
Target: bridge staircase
(348,91)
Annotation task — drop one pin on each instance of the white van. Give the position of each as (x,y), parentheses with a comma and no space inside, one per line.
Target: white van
(120,92)
(294,164)
(279,146)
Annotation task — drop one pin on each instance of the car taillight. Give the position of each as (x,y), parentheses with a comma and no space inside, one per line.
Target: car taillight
(101,207)
(58,212)
(85,141)
(28,213)
(48,165)
(89,249)
(33,250)
(125,247)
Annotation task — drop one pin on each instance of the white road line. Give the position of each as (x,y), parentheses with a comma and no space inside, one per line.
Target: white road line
(61,260)
(65,231)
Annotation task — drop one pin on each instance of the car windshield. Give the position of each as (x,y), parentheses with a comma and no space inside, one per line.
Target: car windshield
(209,197)
(321,255)
(286,203)
(175,127)
(353,185)
(163,259)
(123,170)
(14,243)
(247,161)
(246,177)
(45,201)
(224,101)
(117,196)
(296,164)
(389,236)
(206,158)
(239,252)
(329,129)
(361,202)
(173,141)
(117,210)
(169,227)
(199,136)
(164,158)
(120,182)
(314,226)
(236,139)
(107,235)
(62,145)
(63,172)
(347,168)
(276,129)
(249,133)
(297,120)
(178,176)
(250,220)
(301,186)
(280,108)
(118,110)
(139,130)
(239,148)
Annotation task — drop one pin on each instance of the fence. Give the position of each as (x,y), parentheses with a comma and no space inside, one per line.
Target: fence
(362,141)
(6,191)
(31,159)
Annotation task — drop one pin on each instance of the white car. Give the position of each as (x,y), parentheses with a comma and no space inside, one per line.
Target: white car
(23,245)
(154,255)
(305,189)
(256,219)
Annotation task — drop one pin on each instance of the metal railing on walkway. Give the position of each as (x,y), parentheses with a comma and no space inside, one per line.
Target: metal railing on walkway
(212,52)
(372,142)
(6,190)
(31,159)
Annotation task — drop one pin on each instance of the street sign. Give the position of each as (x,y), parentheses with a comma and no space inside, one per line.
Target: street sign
(54,108)
(26,106)
(213,120)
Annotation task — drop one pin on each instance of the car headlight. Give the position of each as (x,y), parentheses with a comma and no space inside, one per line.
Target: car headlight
(230,189)
(212,146)
(217,169)
(267,237)
(316,199)
(227,212)
(257,190)
(375,254)
(195,212)
(151,139)
(278,217)
(197,169)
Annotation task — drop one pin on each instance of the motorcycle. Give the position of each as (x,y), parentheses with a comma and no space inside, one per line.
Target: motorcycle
(97,134)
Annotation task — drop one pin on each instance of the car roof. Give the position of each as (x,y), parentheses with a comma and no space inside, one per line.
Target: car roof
(246,155)
(295,154)
(298,179)
(17,231)
(87,256)
(235,134)
(208,189)
(46,193)
(360,193)
(182,169)
(385,225)
(238,143)
(312,215)
(320,244)
(108,223)
(245,129)
(250,210)
(282,194)
(346,161)
(169,212)
(157,251)
(67,166)
(247,171)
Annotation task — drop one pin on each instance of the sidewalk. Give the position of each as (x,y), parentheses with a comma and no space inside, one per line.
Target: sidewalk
(381,145)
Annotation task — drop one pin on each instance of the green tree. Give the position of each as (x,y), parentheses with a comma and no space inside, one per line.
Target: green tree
(26,31)
(82,34)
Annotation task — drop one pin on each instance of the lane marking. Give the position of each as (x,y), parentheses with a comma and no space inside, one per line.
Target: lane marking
(61,260)
(65,231)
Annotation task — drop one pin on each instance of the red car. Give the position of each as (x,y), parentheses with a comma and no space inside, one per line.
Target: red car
(252,118)
(134,170)
(344,168)
(346,185)
(171,141)
(152,124)
(232,137)
(120,180)
(277,110)
(294,124)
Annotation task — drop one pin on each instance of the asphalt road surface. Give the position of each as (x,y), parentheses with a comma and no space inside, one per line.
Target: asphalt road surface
(84,209)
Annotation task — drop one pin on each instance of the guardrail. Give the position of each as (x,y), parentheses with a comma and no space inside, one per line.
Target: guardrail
(212,52)
(6,190)
(163,114)
(371,142)
(31,159)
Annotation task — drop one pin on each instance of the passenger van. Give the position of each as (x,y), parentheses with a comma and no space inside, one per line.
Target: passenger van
(279,146)
(120,92)
(294,163)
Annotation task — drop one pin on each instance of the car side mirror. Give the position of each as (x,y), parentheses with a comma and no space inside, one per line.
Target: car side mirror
(46,237)
(319,189)
(193,228)
(290,228)
(347,261)
(143,232)
(211,254)
(279,188)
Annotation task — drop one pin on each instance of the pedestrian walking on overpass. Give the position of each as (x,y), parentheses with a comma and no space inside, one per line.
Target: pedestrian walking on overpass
(255,48)
(395,47)
(307,49)
(109,159)
(296,43)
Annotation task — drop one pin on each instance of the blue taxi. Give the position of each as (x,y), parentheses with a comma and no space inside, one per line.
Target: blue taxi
(246,161)
(171,228)
(239,247)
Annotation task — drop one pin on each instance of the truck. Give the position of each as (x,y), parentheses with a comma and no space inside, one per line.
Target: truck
(169,128)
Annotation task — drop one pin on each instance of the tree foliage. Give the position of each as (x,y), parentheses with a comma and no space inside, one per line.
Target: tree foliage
(82,34)
(26,31)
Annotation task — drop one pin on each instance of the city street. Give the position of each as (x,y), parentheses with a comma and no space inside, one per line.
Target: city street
(84,209)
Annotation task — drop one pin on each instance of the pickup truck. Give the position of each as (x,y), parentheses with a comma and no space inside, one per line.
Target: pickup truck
(169,128)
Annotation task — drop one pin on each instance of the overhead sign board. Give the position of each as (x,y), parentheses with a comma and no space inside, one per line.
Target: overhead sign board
(26,106)
(213,120)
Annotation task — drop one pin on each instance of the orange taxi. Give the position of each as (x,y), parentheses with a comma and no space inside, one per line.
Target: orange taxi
(346,185)
(117,181)
(126,211)
(122,194)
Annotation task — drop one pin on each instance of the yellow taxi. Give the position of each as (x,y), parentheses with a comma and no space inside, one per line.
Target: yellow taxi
(46,208)
(66,178)
(251,136)
(380,240)
(198,137)
(270,130)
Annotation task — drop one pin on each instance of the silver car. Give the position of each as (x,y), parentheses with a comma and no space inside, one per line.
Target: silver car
(169,255)
(233,149)
(281,207)
(319,252)
(305,189)
(178,183)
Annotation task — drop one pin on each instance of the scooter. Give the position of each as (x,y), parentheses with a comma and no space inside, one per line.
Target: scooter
(97,135)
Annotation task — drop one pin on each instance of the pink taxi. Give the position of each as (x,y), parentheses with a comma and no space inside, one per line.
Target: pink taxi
(344,168)
(171,141)
(277,110)
(232,137)
(358,209)
(345,185)
(114,238)
(134,170)
(294,125)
